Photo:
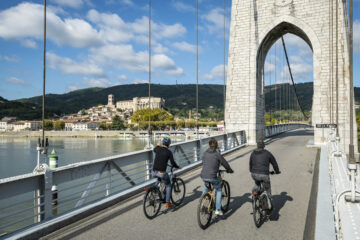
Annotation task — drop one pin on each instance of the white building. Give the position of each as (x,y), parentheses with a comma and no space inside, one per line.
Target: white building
(141,103)
(84,126)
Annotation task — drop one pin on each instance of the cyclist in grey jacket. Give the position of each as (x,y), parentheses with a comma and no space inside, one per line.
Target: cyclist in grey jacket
(211,161)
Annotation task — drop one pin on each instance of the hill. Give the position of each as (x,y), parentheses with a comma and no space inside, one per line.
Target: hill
(178,99)
(22,110)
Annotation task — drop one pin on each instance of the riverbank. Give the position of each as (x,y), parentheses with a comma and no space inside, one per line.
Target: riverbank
(100,134)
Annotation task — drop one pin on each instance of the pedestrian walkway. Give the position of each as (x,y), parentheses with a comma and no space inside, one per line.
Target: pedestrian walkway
(291,192)
(349,213)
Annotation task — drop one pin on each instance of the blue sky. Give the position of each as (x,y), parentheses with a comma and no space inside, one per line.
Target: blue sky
(104,43)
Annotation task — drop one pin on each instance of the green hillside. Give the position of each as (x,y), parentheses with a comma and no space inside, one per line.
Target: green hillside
(22,110)
(178,99)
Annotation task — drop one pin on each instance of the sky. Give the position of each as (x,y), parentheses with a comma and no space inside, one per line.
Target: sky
(93,43)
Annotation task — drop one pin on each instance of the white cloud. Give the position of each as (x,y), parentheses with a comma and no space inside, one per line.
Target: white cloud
(215,21)
(128,2)
(113,28)
(183,7)
(70,3)
(269,67)
(158,48)
(122,77)
(26,20)
(139,81)
(184,46)
(292,40)
(124,57)
(15,80)
(29,43)
(10,59)
(97,82)
(216,73)
(158,30)
(301,71)
(72,87)
(68,66)
(356,35)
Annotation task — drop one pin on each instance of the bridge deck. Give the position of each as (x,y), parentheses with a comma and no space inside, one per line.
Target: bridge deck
(291,192)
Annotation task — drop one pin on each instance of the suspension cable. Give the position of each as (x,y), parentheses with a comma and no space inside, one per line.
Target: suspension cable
(197,68)
(44,78)
(149,122)
(275,60)
(337,69)
(224,61)
(331,58)
(351,145)
(291,76)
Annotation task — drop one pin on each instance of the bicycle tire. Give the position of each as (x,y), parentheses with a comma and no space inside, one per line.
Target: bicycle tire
(205,210)
(257,212)
(225,196)
(178,191)
(152,200)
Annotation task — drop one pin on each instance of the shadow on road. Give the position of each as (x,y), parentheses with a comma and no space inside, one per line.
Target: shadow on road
(279,202)
(195,195)
(236,203)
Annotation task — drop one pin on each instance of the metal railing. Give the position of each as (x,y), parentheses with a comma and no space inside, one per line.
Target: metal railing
(29,199)
(273,130)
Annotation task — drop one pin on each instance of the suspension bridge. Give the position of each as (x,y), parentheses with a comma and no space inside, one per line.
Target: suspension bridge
(315,197)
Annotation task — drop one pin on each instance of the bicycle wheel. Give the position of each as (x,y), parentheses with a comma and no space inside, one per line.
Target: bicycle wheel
(225,196)
(178,191)
(257,212)
(152,203)
(204,212)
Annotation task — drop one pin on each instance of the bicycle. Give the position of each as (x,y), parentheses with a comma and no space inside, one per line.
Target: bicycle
(155,195)
(261,203)
(208,200)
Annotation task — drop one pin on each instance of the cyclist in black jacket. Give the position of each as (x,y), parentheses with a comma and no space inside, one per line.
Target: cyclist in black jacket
(259,164)
(163,155)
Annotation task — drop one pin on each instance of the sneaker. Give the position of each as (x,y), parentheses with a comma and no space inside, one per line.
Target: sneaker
(218,212)
(168,204)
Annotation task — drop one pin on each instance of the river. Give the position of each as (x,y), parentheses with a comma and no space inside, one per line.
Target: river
(19,156)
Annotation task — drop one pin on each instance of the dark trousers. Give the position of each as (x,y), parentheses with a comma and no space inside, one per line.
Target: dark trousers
(261,178)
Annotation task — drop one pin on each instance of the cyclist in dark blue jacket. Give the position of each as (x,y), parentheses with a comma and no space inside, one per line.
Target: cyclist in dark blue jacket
(163,155)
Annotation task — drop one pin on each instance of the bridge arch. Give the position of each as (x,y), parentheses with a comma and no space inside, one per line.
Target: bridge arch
(255,26)
(274,31)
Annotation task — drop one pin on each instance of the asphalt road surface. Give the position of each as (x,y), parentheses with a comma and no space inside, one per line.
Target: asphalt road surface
(291,193)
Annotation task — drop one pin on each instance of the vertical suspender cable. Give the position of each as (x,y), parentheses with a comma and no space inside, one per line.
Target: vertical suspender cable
(330,58)
(224,62)
(351,145)
(337,68)
(149,125)
(275,61)
(197,68)
(44,77)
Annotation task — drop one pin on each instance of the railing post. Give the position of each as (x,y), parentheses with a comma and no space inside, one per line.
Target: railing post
(148,162)
(197,149)
(108,185)
(48,184)
(225,141)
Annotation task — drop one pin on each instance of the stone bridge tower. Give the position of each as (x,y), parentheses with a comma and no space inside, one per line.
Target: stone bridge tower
(255,27)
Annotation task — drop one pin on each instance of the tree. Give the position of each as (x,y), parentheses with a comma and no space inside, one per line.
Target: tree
(59,125)
(48,125)
(117,123)
(156,114)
